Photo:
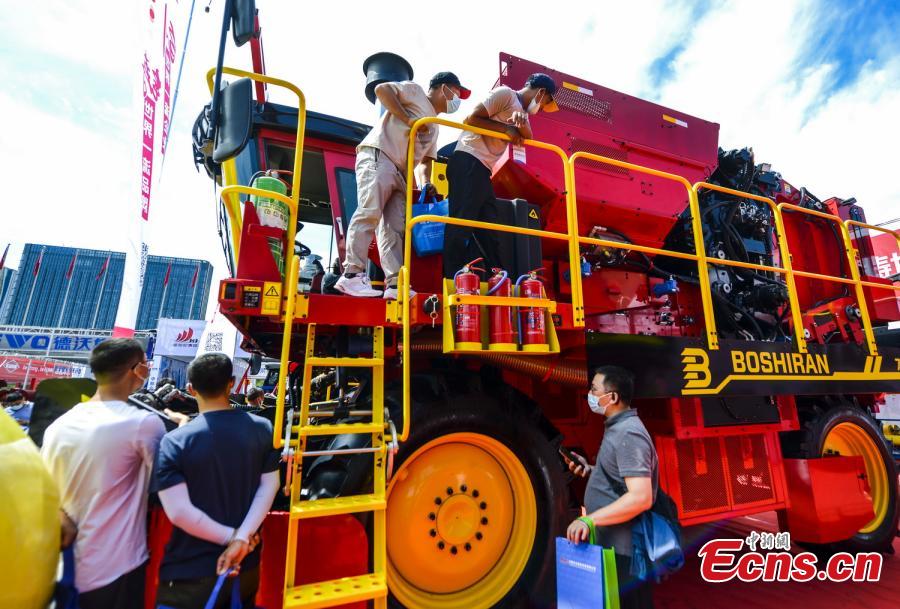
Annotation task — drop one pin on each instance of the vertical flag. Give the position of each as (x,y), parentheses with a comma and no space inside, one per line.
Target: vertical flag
(162,39)
(37,269)
(103,272)
(62,310)
(190,313)
(37,263)
(165,292)
(103,268)
(72,266)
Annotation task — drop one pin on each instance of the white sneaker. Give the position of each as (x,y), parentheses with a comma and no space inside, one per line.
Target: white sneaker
(390,293)
(358,285)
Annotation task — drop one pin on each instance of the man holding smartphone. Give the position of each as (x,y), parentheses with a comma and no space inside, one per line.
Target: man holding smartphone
(624,482)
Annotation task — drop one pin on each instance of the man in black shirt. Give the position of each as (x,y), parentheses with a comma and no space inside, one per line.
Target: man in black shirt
(216,478)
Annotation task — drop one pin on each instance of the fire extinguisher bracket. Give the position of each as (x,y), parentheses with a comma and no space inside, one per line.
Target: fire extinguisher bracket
(451,300)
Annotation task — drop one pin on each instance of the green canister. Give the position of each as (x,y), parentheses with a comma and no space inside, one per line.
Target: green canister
(273,213)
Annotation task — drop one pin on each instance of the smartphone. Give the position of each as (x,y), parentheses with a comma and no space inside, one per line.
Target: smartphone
(568,454)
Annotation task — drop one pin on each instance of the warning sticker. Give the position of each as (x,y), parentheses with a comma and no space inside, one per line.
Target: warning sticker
(251,297)
(271,300)
(533,214)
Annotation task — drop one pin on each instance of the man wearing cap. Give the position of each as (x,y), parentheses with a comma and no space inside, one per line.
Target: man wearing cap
(381,176)
(471,193)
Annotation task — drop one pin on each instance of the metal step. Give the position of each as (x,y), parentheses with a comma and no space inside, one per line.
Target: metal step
(339,505)
(337,429)
(336,592)
(346,362)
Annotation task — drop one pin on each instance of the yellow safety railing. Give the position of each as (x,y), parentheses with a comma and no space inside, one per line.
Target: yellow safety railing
(231,198)
(403,280)
(895,234)
(786,269)
(230,194)
(574,241)
(699,256)
(855,280)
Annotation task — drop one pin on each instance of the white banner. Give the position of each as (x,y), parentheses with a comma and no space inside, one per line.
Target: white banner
(179,337)
(163,31)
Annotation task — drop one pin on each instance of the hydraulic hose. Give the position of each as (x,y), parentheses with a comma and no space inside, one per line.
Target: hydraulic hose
(557,370)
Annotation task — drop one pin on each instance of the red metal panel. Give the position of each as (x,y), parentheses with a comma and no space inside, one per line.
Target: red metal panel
(319,556)
(717,477)
(602,121)
(255,259)
(830,498)
(327,548)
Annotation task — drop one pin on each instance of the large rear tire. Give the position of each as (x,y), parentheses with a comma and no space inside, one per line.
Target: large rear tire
(477,499)
(846,430)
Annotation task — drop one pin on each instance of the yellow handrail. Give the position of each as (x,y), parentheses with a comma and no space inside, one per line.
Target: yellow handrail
(231,199)
(283,373)
(896,235)
(403,280)
(786,267)
(855,278)
(232,206)
(700,249)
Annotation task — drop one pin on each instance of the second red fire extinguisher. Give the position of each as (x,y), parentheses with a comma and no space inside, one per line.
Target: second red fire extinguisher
(468,317)
(501,335)
(532,328)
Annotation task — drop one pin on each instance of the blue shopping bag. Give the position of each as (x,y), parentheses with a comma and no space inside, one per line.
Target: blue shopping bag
(585,576)
(579,575)
(211,602)
(428,237)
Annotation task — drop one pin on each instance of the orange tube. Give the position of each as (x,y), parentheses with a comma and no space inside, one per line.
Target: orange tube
(558,370)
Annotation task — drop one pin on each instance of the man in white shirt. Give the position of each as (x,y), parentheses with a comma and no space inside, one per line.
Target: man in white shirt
(101,454)
(471,193)
(381,177)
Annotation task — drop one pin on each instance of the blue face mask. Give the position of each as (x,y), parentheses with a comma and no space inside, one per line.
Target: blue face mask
(453,101)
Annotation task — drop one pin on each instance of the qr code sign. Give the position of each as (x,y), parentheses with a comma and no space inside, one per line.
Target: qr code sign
(214,341)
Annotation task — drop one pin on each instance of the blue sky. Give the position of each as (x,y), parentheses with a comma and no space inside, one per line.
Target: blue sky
(813,86)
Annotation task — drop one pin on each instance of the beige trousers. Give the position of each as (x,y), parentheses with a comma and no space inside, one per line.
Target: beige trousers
(381,196)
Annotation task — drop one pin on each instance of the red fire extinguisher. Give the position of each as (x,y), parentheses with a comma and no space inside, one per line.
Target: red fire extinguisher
(501,335)
(468,317)
(532,331)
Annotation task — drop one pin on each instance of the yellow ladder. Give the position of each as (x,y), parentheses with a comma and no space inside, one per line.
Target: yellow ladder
(371,586)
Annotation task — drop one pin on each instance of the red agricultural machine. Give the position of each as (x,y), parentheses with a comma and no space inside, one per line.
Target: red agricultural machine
(422,436)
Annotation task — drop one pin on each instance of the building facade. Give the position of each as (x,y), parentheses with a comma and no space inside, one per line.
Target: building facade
(177,288)
(65,287)
(7,284)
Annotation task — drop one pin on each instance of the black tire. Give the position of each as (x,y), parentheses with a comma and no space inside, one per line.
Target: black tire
(817,422)
(509,418)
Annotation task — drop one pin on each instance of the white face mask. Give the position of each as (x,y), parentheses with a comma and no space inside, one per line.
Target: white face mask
(594,403)
(453,101)
(534,107)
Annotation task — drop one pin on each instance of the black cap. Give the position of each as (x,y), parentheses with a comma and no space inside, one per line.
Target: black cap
(449,78)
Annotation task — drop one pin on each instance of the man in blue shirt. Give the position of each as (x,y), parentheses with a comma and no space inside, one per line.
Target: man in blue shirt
(18,408)
(216,478)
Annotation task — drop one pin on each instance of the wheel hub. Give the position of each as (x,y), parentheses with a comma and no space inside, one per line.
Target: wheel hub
(458,519)
(460,523)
